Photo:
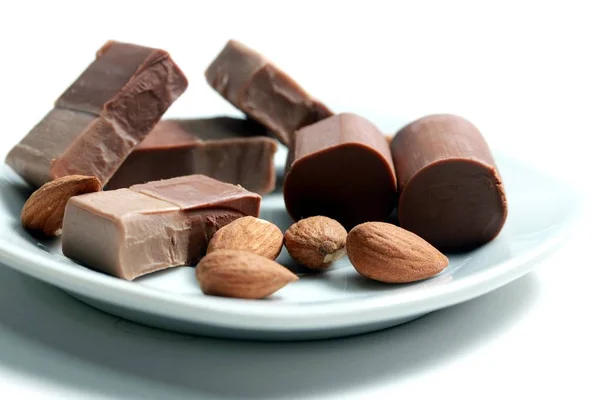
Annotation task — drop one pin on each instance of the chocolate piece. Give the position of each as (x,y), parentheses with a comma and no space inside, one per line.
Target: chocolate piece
(131,232)
(102,116)
(257,87)
(341,168)
(223,148)
(163,154)
(451,193)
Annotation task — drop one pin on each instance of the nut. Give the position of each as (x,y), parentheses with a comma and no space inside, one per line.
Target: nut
(45,208)
(387,253)
(316,241)
(241,274)
(250,234)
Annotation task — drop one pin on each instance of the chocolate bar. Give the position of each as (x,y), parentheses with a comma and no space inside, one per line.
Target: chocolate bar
(228,149)
(131,232)
(252,83)
(341,168)
(451,192)
(102,116)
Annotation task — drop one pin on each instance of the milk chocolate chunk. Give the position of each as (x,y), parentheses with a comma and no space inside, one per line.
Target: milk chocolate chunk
(228,149)
(341,168)
(131,232)
(165,153)
(451,192)
(102,116)
(252,83)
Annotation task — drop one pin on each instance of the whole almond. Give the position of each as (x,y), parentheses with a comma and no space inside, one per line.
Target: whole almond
(387,253)
(44,210)
(241,274)
(250,234)
(316,241)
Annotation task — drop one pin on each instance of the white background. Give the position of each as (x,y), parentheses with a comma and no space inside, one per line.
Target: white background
(527,73)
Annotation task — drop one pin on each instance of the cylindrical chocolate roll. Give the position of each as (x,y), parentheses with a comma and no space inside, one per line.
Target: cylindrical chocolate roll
(340,167)
(451,193)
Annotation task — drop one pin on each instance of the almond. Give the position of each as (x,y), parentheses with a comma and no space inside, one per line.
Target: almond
(45,208)
(241,274)
(250,234)
(387,253)
(316,241)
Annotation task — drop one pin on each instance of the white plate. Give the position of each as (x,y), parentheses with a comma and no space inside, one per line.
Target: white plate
(336,303)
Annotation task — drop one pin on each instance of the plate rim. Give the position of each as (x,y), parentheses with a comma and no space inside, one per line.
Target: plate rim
(233,312)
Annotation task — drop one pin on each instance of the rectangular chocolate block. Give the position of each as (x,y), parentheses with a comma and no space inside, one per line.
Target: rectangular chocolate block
(131,232)
(102,116)
(252,83)
(227,149)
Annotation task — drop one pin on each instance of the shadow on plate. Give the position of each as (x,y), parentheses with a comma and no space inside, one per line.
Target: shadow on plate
(46,333)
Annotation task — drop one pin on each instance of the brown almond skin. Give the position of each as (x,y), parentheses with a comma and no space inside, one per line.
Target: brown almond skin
(316,242)
(388,253)
(250,234)
(44,211)
(241,274)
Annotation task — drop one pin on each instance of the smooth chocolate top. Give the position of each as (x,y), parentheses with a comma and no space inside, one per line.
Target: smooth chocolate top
(199,191)
(252,83)
(343,128)
(342,168)
(183,193)
(451,193)
(116,204)
(436,138)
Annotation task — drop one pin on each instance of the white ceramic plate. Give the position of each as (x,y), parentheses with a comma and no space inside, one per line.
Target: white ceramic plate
(335,303)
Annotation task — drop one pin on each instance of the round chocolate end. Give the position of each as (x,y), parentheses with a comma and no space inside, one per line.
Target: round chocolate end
(455,204)
(350,183)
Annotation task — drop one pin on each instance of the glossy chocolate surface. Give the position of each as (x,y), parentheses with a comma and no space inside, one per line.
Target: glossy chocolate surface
(451,192)
(342,168)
